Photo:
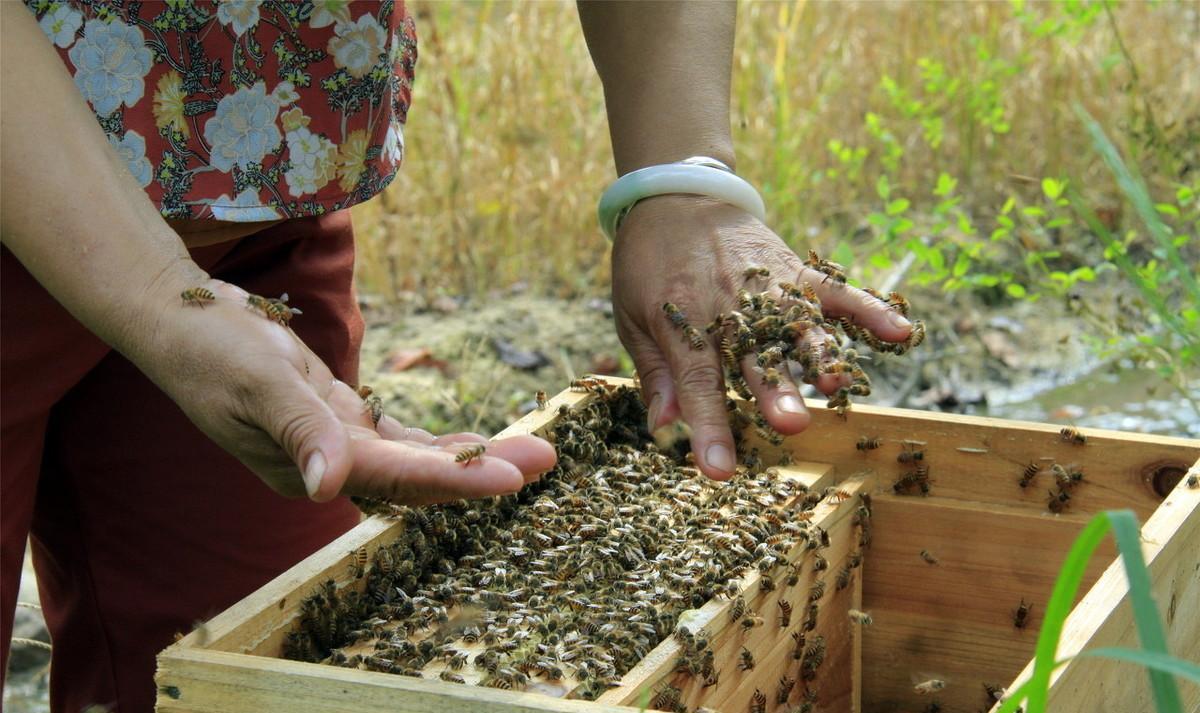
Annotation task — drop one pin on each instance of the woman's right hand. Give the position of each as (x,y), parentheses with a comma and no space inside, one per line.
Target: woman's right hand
(252,386)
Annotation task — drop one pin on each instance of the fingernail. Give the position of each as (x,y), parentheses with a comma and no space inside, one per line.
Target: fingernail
(652,415)
(719,457)
(789,403)
(898,320)
(314,472)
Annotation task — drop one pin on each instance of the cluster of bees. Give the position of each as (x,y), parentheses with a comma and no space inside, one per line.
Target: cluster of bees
(275,309)
(563,587)
(784,325)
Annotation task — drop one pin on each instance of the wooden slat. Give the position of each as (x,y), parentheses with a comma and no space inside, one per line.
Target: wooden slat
(981,459)
(954,620)
(1105,618)
(195,681)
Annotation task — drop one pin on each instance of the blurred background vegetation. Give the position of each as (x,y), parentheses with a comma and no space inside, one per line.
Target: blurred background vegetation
(995,154)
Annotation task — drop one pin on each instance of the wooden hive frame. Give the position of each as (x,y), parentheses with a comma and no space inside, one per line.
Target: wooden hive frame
(976,520)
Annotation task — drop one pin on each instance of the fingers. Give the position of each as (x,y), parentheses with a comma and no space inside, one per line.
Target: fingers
(700,390)
(414,475)
(840,300)
(393,430)
(308,430)
(779,403)
(658,387)
(530,454)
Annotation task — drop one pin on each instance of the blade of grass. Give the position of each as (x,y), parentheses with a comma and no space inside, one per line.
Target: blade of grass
(1059,607)
(1145,614)
(1161,663)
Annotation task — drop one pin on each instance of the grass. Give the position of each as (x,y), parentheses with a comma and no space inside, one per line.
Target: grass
(864,124)
(1161,667)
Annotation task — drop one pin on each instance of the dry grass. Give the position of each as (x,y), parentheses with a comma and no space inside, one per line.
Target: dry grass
(508,149)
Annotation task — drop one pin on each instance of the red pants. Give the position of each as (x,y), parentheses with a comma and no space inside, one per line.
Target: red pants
(140,525)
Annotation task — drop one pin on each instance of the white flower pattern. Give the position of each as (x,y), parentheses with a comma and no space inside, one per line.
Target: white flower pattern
(357,46)
(111,63)
(393,143)
(246,208)
(243,130)
(329,12)
(314,161)
(241,15)
(61,23)
(132,149)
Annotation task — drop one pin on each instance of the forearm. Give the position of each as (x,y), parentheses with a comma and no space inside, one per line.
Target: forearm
(72,213)
(665,67)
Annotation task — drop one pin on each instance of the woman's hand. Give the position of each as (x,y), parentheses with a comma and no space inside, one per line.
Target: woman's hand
(693,251)
(253,387)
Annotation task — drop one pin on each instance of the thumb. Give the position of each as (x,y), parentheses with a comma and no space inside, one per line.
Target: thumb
(312,436)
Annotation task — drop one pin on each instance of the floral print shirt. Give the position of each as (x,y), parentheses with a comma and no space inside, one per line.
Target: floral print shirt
(244,110)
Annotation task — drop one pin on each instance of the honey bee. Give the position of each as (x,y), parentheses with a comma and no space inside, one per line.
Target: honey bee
(758,702)
(374,405)
(278,310)
(694,337)
(916,336)
(867,444)
(1058,502)
(1193,481)
(1070,434)
(933,685)
(540,398)
(586,384)
(364,391)
(666,698)
(840,496)
(929,557)
(747,659)
(910,455)
(738,610)
(810,295)
(751,621)
(896,301)
(358,561)
(785,613)
(197,296)
(451,677)
(1021,615)
(994,692)
(470,453)
(860,617)
(677,317)
(843,579)
(785,689)
(817,590)
(1029,474)
(755,271)
(771,377)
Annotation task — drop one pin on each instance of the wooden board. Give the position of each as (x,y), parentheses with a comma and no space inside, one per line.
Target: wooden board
(954,620)
(981,459)
(1104,617)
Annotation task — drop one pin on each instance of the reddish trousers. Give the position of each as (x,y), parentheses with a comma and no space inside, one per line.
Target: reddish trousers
(140,525)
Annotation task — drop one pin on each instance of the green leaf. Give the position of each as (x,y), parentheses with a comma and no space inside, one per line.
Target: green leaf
(962,263)
(843,253)
(897,206)
(1148,659)
(1052,188)
(1033,211)
(1167,209)
(883,187)
(880,261)
(1084,273)
(945,185)
(1015,290)
(1008,206)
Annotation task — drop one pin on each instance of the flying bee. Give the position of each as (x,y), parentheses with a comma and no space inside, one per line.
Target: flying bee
(860,617)
(867,444)
(540,398)
(677,317)
(755,271)
(933,685)
(1021,615)
(929,557)
(374,405)
(1029,474)
(747,659)
(1070,434)
(758,702)
(470,453)
(197,296)
(785,613)
(278,310)
(694,337)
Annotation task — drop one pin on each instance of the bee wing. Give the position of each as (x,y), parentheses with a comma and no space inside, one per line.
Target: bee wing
(295,311)
(919,677)
(283,297)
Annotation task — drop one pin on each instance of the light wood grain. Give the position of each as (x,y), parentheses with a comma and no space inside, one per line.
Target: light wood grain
(1171,546)
(954,620)
(1116,465)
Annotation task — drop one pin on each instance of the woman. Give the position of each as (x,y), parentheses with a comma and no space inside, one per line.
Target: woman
(175,168)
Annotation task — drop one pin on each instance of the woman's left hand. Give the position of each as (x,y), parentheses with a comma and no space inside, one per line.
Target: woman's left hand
(693,251)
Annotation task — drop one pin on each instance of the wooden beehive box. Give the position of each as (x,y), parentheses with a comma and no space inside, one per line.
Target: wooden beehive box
(995,545)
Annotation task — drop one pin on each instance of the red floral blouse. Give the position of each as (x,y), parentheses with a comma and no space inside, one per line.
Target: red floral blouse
(244,110)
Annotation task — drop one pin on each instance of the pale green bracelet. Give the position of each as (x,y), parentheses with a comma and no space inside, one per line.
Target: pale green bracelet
(698,175)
